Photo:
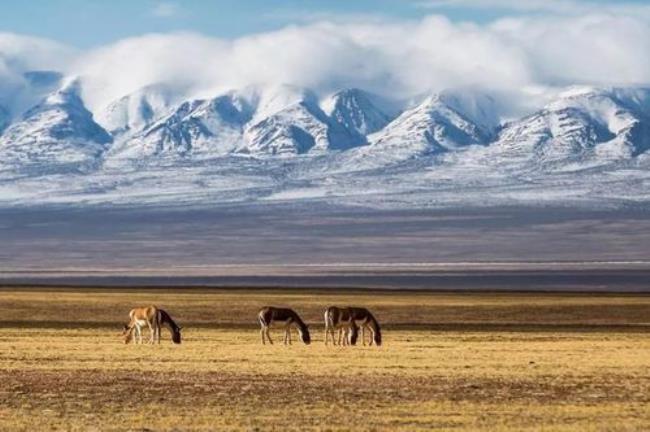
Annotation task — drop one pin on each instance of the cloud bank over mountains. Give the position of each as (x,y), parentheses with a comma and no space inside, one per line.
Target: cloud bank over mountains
(403,59)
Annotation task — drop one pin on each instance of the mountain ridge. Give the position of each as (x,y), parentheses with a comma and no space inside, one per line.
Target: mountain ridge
(286,142)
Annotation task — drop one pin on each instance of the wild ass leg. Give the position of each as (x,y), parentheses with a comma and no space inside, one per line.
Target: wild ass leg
(372,336)
(262,334)
(157,327)
(333,335)
(346,336)
(287,335)
(268,335)
(363,334)
(152,333)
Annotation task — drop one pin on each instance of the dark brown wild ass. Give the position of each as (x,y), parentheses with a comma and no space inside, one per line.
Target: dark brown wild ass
(368,321)
(287,318)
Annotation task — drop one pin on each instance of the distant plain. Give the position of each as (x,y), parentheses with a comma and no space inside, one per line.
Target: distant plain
(304,244)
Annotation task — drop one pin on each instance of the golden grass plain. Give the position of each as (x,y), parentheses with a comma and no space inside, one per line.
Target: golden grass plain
(461,362)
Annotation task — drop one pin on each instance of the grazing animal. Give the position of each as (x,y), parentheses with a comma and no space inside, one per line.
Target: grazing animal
(153,318)
(369,322)
(269,316)
(341,319)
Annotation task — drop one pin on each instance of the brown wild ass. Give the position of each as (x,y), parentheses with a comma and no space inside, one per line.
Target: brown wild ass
(272,316)
(340,319)
(153,318)
(369,322)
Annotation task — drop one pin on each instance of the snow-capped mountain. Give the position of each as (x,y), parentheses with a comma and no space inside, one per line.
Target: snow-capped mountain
(35,86)
(136,111)
(201,128)
(434,126)
(57,132)
(440,123)
(289,121)
(280,120)
(287,142)
(355,110)
(583,124)
(26,92)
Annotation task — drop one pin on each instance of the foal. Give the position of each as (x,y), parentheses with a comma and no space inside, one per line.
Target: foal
(153,318)
(341,319)
(269,316)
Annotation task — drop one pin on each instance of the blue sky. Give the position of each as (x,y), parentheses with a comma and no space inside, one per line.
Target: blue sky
(88,23)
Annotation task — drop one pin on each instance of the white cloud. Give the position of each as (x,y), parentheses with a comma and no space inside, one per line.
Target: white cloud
(19,54)
(596,49)
(399,59)
(26,52)
(402,59)
(182,60)
(165,9)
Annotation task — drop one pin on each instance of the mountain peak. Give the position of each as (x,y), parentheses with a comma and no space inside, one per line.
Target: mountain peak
(135,111)
(59,131)
(355,110)
(68,94)
(583,125)
(270,100)
(432,126)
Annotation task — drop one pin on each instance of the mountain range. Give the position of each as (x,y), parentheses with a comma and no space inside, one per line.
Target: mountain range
(284,142)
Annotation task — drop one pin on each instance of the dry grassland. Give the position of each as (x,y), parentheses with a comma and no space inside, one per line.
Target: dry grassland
(461,362)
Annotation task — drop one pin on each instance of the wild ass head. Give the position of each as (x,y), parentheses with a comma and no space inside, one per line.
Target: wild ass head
(127,333)
(176,335)
(304,334)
